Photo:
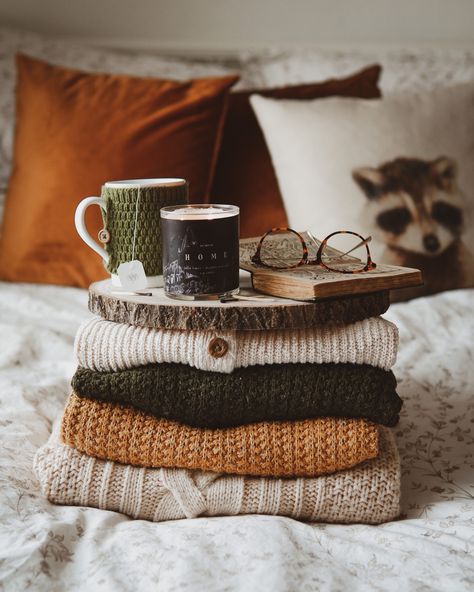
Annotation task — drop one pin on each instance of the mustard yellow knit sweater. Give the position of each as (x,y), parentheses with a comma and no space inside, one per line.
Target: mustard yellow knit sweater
(280,449)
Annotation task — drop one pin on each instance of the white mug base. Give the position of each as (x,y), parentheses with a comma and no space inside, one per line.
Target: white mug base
(153,281)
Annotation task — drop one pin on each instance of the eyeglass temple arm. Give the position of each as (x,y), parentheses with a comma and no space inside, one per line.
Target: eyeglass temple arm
(312,237)
(362,243)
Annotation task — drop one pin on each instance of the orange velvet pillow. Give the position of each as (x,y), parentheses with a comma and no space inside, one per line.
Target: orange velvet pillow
(75,131)
(244,172)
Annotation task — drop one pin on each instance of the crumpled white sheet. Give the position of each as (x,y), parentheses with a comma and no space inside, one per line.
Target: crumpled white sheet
(52,548)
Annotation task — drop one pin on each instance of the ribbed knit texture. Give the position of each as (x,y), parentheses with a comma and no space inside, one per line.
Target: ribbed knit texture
(268,393)
(119,220)
(281,449)
(106,346)
(368,493)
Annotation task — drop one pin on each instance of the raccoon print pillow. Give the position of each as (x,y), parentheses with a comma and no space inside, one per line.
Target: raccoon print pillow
(400,169)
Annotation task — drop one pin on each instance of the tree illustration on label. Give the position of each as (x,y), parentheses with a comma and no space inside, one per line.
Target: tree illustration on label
(199,256)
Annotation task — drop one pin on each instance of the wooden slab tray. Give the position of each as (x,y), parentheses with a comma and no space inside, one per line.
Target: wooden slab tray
(160,312)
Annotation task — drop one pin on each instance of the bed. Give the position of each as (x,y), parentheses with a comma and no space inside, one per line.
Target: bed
(47,547)
(431,546)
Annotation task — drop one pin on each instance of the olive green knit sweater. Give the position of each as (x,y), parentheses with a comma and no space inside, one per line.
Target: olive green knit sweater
(268,393)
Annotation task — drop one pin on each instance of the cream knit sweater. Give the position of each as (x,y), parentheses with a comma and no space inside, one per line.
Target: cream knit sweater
(368,493)
(106,346)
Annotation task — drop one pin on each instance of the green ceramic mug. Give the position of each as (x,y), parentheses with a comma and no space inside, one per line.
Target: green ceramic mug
(132,228)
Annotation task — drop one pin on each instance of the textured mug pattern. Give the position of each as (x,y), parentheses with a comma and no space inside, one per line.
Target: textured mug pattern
(119,221)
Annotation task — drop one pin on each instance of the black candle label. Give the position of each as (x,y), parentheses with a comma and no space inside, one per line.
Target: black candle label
(200,256)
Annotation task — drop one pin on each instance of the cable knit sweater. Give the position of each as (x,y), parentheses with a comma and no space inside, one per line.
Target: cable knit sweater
(368,493)
(106,346)
(279,449)
(268,393)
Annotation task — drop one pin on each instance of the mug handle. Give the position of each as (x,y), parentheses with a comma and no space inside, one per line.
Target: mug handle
(79,221)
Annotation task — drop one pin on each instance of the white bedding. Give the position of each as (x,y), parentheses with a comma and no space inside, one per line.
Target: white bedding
(46,547)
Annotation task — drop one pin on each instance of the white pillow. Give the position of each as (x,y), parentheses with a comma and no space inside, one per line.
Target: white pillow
(327,154)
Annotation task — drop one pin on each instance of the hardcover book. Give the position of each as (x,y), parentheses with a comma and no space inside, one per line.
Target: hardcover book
(311,282)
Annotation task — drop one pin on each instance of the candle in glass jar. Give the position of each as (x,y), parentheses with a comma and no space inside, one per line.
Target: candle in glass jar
(200,246)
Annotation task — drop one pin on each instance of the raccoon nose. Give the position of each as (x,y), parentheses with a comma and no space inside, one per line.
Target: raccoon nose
(431,243)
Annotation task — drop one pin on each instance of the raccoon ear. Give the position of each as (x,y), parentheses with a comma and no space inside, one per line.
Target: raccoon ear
(445,171)
(370,180)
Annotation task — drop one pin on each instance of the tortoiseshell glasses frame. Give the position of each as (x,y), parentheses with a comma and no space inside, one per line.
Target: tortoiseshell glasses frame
(257,260)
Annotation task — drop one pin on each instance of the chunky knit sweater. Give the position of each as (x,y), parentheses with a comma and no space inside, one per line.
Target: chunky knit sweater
(268,393)
(368,493)
(280,449)
(106,346)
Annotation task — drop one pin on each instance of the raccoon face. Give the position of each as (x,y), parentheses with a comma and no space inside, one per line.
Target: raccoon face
(413,204)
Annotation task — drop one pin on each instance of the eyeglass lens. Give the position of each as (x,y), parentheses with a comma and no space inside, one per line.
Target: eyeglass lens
(282,249)
(345,252)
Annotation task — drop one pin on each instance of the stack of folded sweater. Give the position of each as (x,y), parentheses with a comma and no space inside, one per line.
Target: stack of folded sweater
(166,424)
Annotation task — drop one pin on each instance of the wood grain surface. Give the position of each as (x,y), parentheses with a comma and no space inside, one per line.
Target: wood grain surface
(160,312)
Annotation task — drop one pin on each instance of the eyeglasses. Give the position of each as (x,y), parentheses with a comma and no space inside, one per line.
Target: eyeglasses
(343,251)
